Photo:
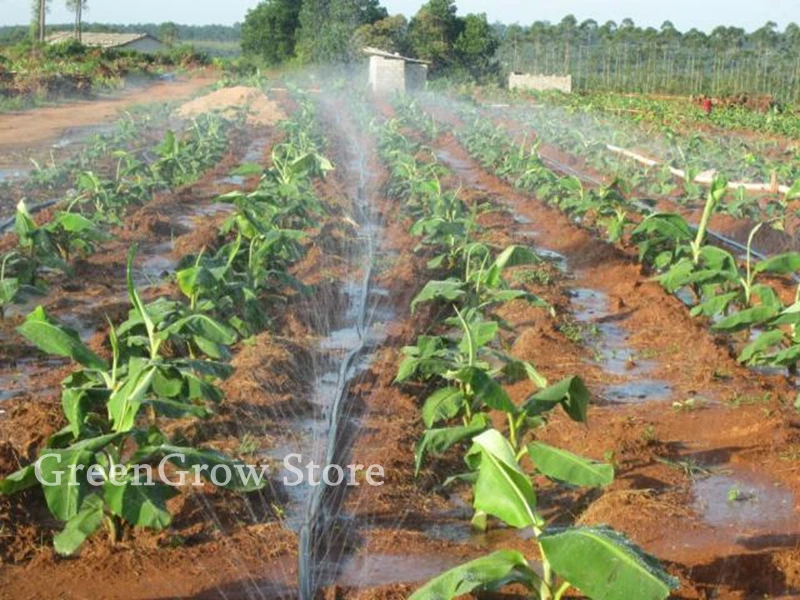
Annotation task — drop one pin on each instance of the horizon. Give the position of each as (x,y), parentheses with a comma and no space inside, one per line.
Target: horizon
(684,14)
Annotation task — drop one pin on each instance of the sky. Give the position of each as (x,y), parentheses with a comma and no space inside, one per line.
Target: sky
(685,14)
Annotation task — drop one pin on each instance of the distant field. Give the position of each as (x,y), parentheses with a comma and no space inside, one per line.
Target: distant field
(216,48)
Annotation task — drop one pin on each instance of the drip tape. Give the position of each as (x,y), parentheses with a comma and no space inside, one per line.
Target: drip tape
(9,223)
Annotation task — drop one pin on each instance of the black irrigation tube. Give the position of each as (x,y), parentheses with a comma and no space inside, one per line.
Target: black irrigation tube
(315,519)
(8,223)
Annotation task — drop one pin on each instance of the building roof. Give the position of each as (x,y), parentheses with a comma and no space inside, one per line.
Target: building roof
(383,54)
(100,40)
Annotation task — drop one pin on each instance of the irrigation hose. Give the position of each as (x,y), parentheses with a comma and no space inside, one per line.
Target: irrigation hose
(314,513)
(9,223)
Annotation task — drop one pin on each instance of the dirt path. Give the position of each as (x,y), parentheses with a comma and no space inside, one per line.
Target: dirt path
(22,134)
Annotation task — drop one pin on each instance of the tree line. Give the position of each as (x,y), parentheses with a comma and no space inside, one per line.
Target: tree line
(335,31)
(628,58)
(610,56)
(168,32)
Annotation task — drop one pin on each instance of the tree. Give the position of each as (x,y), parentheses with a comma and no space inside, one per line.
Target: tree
(78,6)
(476,46)
(327,28)
(433,31)
(269,31)
(39,20)
(389,34)
(169,33)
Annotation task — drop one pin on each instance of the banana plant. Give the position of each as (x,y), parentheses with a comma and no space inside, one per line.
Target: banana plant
(482,284)
(597,561)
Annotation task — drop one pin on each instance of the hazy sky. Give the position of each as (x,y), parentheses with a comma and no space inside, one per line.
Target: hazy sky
(703,14)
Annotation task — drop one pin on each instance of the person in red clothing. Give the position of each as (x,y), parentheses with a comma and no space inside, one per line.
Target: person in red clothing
(707,105)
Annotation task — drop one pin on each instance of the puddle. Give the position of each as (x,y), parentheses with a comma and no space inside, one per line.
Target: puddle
(255,151)
(157,266)
(741,501)
(686,297)
(373,570)
(554,257)
(80,134)
(74,321)
(462,168)
(13,385)
(521,219)
(235,180)
(23,377)
(644,390)
(10,175)
(609,342)
(207,210)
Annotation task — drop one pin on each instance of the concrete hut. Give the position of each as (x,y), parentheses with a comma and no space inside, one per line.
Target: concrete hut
(389,73)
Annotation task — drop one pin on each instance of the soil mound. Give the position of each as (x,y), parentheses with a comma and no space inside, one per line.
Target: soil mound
(261,110)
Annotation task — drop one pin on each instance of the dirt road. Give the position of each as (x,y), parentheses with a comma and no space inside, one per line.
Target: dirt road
(24,134)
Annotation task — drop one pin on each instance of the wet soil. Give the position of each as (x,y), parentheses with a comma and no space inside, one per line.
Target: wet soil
(694,415)
(678,463)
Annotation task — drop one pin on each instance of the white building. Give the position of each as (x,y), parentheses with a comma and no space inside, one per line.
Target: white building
(140,42)
(540,83)
(390,73)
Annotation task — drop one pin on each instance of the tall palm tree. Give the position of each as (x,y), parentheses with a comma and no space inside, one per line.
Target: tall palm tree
(78,6)
(39,21)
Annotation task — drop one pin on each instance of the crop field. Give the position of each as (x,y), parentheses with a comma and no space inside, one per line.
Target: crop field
(276,336)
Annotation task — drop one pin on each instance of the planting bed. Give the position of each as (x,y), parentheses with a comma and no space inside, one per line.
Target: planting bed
(690,454)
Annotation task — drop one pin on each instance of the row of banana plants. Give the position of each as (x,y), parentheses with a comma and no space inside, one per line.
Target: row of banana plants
(462,363)
(583,129)
(735,295)
(167,359)
(99,202)
(133,127)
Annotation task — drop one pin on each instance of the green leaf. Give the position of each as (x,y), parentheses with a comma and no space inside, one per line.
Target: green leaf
(442,405)
(715,305)
(745,319)
(486,389)
(604,565)
(52,338)
(502,489)
(203,326)
(82,525)
(438,441)
(482,333)
(571,393)
(763,342)
(18,481)
(782,264)
(75,223)
(140,505)
(487,573)
(64,499)
(449,290)
(565,466)
(515,256)
(75,404)
(124,404)
(24,224)
(134,297)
